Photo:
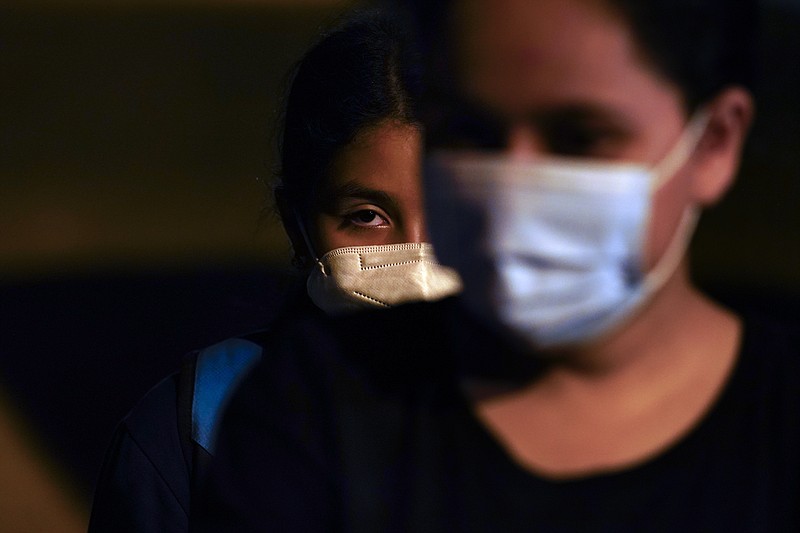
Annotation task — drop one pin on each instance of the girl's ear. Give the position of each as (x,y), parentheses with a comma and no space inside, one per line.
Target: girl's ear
(288,213)
(716,160)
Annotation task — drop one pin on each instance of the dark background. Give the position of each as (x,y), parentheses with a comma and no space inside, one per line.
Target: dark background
(135,145)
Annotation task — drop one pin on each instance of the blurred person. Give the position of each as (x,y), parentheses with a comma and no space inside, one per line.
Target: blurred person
(581,382)
(349,198)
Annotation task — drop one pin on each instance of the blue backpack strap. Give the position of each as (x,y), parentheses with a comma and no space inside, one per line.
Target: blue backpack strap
(206,381)
(218,371)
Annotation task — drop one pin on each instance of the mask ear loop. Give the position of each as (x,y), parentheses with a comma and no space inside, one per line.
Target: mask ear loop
(675,251)
(665,169)
(302,227)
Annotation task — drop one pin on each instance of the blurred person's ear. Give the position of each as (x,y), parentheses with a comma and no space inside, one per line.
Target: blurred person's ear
(288,213)
(718,154)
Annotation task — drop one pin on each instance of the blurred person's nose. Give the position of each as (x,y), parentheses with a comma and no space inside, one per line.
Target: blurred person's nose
(523,142)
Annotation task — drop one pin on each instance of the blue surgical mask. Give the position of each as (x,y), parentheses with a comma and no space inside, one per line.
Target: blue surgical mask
(551,250)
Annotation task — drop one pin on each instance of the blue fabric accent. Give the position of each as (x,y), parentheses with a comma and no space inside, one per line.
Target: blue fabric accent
(219,370)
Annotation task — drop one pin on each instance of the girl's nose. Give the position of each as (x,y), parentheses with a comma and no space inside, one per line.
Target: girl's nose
(416,230)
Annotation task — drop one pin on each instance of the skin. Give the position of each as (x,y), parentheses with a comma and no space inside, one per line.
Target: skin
(565,78)
(373,194)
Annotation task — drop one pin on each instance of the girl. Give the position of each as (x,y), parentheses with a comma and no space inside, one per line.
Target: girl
(349,197)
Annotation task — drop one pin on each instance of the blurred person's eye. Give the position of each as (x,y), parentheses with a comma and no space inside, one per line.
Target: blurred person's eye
(577,138)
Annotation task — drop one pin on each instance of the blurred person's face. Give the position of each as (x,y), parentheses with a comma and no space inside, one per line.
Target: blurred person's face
(373,193)
(564,78)
(563,169)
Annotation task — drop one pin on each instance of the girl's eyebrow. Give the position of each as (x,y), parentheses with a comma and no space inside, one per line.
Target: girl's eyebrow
(351,190)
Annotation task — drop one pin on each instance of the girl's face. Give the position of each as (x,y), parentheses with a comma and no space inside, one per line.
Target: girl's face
(373,194)
(561,77)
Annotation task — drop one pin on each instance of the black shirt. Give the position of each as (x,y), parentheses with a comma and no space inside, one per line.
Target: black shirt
(360,425)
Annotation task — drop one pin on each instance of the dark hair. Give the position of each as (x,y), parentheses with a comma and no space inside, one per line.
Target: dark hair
(700,45)
(358,75)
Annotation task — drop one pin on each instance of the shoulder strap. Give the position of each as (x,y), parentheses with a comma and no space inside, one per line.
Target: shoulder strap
(206,382)
(218,371)
(194,455)
(185,400)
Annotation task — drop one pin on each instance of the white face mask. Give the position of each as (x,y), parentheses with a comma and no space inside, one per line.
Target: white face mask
(362,277)
(552,250)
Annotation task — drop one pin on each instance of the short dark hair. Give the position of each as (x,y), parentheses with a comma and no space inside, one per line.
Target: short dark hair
(358,75)
(702,46)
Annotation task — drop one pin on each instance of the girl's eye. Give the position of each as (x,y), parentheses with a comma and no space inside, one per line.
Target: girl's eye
(367,218)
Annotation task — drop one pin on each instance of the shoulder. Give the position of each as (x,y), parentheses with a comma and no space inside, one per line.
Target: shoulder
(148,468)
(153,424)
(770,355)
(314,364)
(329,396)
(144,481)
(212,374)
(772,331)
(771,323)
(380,348)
